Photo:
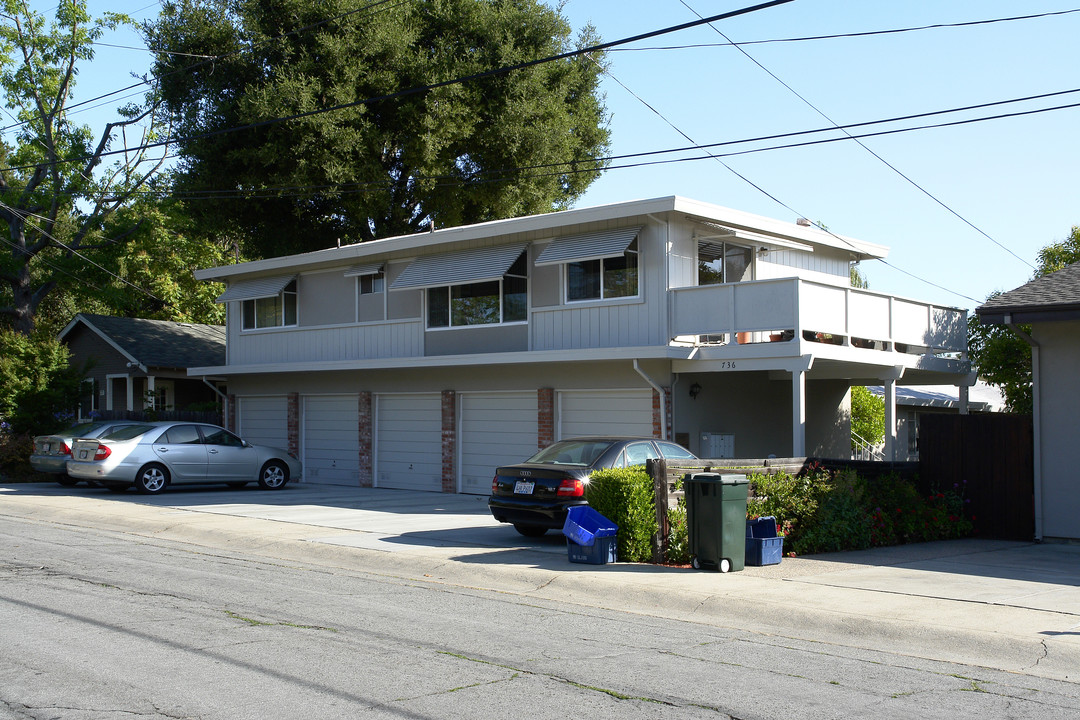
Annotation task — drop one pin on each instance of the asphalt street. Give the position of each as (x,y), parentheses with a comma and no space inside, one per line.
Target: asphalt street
(1003,615)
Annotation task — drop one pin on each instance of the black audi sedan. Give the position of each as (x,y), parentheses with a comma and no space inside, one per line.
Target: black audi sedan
(534,495)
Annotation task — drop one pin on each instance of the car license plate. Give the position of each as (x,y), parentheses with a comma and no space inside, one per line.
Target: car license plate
(523,487)
(46,447)
(83,454)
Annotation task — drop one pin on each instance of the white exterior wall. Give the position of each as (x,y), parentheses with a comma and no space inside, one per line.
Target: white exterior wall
(1059,397)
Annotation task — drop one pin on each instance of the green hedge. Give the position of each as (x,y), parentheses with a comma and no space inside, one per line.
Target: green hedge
(625,496)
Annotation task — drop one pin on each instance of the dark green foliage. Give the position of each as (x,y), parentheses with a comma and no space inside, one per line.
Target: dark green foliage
(625,496)
(37,388)
(500,146)
(822,512)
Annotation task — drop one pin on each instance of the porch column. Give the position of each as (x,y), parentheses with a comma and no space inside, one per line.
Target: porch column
(964,399)
(798,413)
(890,419)
(130,393)
(151,385)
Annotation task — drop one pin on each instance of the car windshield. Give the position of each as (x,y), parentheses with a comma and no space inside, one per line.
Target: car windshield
(82,429)
(572,452)
(127,432)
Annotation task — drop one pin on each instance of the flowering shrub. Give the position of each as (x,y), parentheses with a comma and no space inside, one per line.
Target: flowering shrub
(826,512)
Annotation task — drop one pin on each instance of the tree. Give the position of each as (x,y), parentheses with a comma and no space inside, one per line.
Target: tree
(867,417)
(37,388)
(1002,357)
(53,198)
(350,166)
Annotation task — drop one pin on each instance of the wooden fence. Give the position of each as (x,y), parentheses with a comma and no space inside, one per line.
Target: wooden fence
(989,459)
(212,417)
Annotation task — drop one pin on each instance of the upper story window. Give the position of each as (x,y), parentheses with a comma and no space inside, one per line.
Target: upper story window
(605,278)
(488,302)
(600,265)
(274,311)
(372,284)
(723,262)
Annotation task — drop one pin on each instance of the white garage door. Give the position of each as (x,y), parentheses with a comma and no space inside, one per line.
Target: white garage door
(408,442)
(605,412)
(263,421)
(496,429)
(330,443)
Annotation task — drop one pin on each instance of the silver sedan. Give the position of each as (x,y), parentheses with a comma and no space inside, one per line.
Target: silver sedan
(152,456)
(51,452)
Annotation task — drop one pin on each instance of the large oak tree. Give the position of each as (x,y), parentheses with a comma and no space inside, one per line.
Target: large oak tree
(373,150)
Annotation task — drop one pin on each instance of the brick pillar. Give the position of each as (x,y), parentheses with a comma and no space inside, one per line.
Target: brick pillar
(230,413)
(367,477)
(449,440)
(661,404)
(293,423)
(545,417)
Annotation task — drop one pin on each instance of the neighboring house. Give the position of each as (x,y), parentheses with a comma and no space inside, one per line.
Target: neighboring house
(424,361)
(136,364)
(1051,306)
(916,400)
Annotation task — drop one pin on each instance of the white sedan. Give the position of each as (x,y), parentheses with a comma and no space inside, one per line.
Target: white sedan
(151,456)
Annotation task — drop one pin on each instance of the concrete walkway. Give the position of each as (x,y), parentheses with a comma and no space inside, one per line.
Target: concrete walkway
(1010,605)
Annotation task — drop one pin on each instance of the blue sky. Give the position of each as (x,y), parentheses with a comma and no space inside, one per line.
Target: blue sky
(1013,179)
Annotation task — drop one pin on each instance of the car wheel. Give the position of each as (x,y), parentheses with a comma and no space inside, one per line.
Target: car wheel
(273,475)
(67,481)
(152,479)
(236,484)
(530,530)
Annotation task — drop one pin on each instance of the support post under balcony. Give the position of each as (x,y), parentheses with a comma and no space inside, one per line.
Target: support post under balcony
(798,371)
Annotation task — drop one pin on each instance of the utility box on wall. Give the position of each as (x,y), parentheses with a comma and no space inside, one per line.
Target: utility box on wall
(717,445)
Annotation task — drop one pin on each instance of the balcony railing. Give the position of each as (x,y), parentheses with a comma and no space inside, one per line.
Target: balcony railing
(794,307)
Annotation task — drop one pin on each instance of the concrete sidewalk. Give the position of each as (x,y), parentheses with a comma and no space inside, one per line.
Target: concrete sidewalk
(1013,606)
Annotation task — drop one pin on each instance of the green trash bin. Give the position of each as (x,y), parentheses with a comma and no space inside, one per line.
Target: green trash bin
(716,520)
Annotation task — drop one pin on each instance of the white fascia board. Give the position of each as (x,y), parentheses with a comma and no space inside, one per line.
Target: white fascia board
(509,358)
(792,231)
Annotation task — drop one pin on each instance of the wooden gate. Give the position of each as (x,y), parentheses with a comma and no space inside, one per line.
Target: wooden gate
(989,459)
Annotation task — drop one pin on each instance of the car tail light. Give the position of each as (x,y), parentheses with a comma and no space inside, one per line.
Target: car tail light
(571,487)
(64,449)
(102,452)
(494,484)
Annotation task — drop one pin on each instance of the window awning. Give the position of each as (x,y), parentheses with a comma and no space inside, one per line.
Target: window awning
(468,266)
(255,288)
(588,246)
(368,269)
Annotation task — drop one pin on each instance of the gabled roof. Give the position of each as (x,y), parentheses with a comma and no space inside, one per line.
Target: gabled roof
(157,343)
(1051,297)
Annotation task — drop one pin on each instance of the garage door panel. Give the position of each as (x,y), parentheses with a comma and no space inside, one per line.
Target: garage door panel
(331,439)
(496,429)
(604,412)
(408,442)
(263,420)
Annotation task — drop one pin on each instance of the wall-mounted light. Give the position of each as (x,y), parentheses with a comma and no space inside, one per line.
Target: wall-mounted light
(694,390)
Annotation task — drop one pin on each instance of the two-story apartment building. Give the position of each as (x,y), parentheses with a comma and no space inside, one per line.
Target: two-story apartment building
(424,361)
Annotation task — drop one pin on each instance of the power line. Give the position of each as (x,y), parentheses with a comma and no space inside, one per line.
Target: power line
(26,218)
(868,33)
(495,72)
(865,146)
(599,162)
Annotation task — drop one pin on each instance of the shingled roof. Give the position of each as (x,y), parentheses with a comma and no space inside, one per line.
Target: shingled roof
(1051,297)
(158,343)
